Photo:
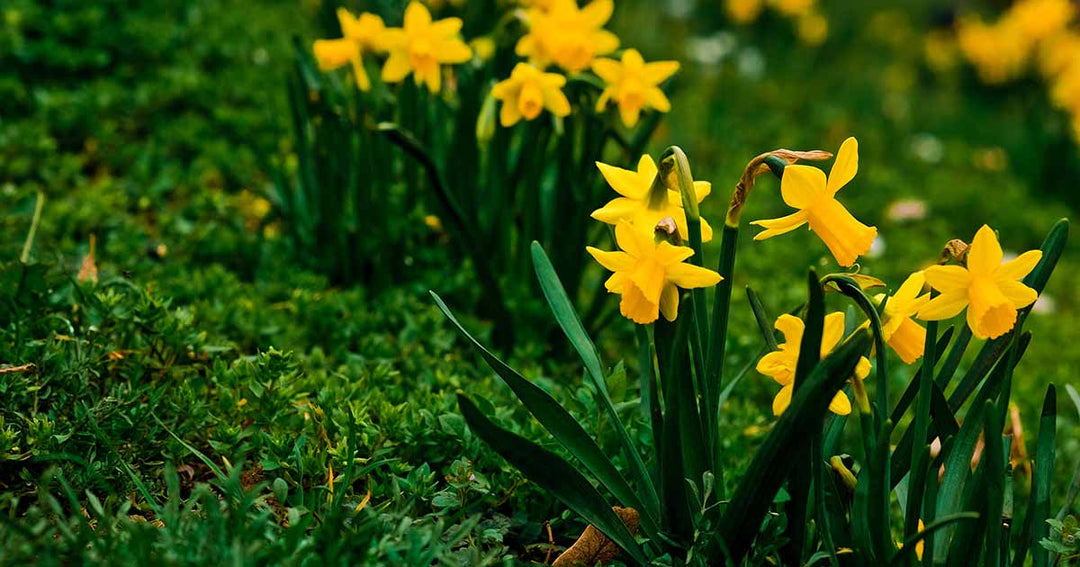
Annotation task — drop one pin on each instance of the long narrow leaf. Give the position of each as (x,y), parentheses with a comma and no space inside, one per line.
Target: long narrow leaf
(566,430)
(553,474)
(570,323)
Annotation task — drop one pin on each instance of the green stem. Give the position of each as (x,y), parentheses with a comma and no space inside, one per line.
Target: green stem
(25,256)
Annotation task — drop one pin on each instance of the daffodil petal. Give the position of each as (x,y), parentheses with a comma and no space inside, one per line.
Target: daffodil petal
(1017,293)
(669,302)
(630,239)
(617,209)
(947,279)
(659,71)
(944,306)
(842,233)
(689,276)
(845,167)
(840,405)
(802,186)
(1018,268)
(782,225)
(623,181)
(862,368)
(782,399)
(614,261)
(984,256)
(832,331)
(791,327)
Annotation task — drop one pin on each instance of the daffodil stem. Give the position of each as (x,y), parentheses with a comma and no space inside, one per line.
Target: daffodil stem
(29,243)
(920,426)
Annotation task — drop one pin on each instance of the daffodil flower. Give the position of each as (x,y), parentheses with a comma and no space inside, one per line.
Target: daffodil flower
(422,46)
(642,205)
(529,91)
(899,330)
(360,35)
(805,188)
(567,35)
(648,275)
(633,84)
(990,290)
(780,364)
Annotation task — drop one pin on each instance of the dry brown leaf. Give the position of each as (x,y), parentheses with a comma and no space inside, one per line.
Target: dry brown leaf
(594,547)
(756,167)
(88,270)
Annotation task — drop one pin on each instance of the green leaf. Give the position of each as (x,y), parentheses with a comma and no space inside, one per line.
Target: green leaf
(764,320)
(770,466)
(557,421)
(908,548)
(555,475)
(570,323)
(1044,476)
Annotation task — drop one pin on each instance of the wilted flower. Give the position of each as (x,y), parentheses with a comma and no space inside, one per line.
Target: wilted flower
(648,274)
(644,203)
(568,36)
(421,46)
(805,188)
(528,92)
(990,290)
(780,364)
(633,84)
(360,35)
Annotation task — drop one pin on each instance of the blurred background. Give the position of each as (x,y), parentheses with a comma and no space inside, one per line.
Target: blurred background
(153,129)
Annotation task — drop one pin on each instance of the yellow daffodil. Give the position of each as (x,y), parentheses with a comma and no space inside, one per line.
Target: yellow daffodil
(648,275)
(998,51)
(903,334)
(780,364)
(422,46)
(805,188)
(743,11)
(643,205)
(1036,20)
(918,545)
(528,92)
(812,28)
(360,35)
(793,7)
(567,35)
(633,84)
(989,289)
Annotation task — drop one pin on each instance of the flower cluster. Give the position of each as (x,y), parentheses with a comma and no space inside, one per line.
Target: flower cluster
(420,47)
(560,35)
(651,222)
(1030,31)
(810,25)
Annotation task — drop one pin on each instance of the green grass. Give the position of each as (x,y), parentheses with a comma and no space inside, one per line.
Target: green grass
(188,407)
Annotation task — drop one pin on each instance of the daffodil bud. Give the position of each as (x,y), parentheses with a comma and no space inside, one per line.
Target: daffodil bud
(485,122)
(841,470)
(862,402)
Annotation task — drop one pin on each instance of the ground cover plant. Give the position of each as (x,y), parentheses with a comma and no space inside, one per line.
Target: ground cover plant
(413,283)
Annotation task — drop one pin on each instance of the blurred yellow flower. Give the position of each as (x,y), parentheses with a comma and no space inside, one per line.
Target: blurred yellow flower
(528,92)
(998,52)
(812,28)
(1036,20)
(360,35)
(780,364)
(940,51)
(903,334)
(743,11)
(1058,53)
(990,290)
(793,7)
(805,188)
(648,275)
(644,204)
(633,84)
(568,36)
(421,46)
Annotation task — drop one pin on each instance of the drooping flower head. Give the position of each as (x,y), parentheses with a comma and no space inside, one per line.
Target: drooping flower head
(528,92)
(633,84)
(648,274)
(360,35)
(422,46)
(903,334)
(644,205)
(990,290)
(806,188)
(567,35)
(780,364)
